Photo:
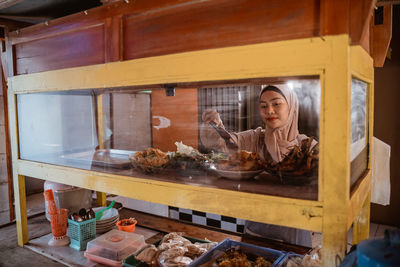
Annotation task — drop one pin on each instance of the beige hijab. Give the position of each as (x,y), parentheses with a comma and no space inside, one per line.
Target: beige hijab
(280,140)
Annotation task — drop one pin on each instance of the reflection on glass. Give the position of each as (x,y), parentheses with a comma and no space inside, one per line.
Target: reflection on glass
(358,117)
(54,124)
(143,132)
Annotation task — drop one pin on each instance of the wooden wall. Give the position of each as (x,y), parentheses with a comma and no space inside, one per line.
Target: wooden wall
(387,123)
(6,190)
(131,125)
(123,31)
(181,118)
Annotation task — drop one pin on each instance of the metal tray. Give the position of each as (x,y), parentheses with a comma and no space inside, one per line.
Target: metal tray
(109,158)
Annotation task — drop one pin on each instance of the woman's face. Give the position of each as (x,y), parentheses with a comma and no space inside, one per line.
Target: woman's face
(274,109)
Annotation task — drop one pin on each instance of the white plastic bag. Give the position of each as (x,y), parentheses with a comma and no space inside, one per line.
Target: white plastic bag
(380,179)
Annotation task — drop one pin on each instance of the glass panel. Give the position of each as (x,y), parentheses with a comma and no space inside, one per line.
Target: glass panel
(55,124)
(219,135)
(358,112)
(358,152)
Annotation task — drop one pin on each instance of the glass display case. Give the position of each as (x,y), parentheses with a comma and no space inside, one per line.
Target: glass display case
(153,134)
(93,126)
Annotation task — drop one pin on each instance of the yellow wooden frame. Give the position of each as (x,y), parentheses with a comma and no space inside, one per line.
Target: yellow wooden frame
(331,58)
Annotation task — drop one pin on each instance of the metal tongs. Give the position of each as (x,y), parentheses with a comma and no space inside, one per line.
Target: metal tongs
(225,135)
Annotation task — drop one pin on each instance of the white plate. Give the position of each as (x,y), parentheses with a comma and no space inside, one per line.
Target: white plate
(113,222)
(107,220)
(106,226)
(108,214)
(238,175)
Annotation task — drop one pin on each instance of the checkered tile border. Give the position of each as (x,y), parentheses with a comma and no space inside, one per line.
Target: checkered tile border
(207,219)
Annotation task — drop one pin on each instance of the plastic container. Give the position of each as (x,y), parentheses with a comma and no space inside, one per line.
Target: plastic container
(58,222)
(131,261)
(127,228)
(272,255)
(50,203)
(68,197)
(113,247)
(81,233)
(383,252)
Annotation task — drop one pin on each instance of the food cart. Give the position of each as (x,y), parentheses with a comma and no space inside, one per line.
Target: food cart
(132,48)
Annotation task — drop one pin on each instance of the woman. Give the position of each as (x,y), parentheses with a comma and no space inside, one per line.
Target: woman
(279,111)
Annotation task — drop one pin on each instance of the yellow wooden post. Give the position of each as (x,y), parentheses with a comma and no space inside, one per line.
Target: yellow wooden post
(18,180)
(335,149)
(101,197)
(100,121)
(361,222)
(20,209)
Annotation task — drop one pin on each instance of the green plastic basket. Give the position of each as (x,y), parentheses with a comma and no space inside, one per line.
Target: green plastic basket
(80,233)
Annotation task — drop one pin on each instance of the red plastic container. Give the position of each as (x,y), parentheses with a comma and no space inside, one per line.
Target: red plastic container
(58,221)
(49,197)
(126,228)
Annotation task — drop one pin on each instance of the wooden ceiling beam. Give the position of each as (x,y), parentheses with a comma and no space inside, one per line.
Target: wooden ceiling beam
(360,17)
(13,25)
(387,2)
(380,37)
(7,3)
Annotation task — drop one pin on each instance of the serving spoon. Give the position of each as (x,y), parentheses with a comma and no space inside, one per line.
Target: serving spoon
(100,213)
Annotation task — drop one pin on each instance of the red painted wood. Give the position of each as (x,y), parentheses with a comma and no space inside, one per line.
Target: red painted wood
(214,24)
(149,28)
(113,38)
(79,48)
(92,17)
(334,16)
(381,35)
(361,11)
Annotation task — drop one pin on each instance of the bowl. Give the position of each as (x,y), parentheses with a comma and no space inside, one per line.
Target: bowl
(126,225)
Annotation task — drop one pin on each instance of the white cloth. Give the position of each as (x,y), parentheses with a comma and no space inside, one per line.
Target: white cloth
(380,179)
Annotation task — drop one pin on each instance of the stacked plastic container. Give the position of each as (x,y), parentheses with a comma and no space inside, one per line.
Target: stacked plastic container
(113,247)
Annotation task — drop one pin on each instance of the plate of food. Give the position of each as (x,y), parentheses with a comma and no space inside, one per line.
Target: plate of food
(240,165)
(299,166)
(151,160)
(189,161)
(238,175)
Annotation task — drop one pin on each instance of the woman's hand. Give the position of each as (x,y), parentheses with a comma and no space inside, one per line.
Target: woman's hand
(211,115)
(208,136)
